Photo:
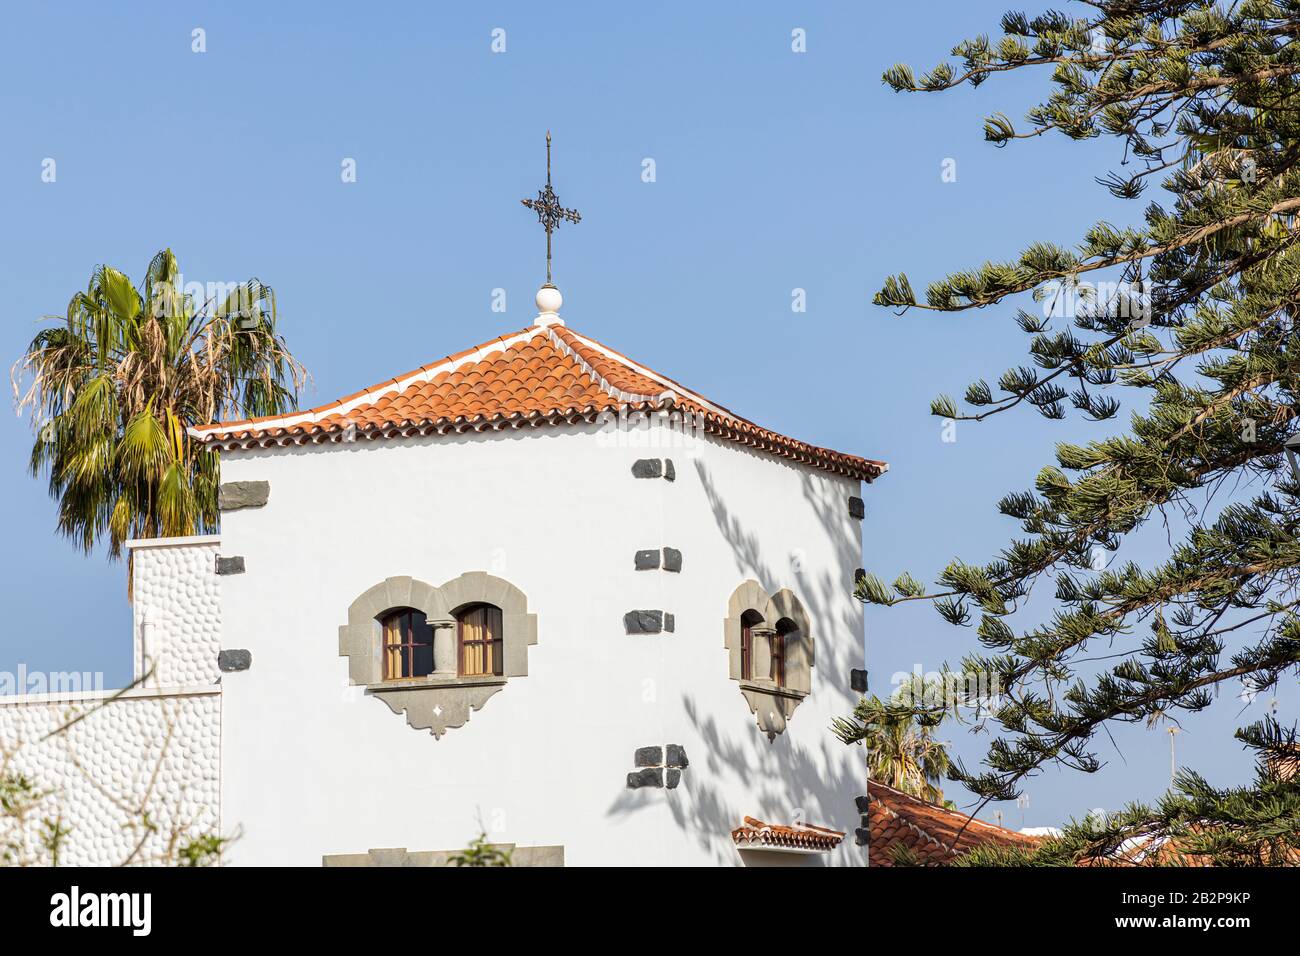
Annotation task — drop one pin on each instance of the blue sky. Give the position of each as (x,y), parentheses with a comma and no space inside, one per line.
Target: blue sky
(774,171)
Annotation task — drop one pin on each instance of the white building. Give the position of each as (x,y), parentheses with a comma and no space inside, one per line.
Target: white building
(534,589)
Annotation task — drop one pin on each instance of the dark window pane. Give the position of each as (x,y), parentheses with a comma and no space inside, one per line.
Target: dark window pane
(421,631)
(408,644)
(422,657)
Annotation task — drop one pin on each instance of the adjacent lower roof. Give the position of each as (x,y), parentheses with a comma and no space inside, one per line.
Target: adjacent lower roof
(541,375)
(935,835)
(754,834)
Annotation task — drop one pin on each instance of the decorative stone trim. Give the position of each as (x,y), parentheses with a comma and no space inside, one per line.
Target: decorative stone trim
(772,706)
(442,700)
(234,565)
(654,468)
(234,660)
(648,468)
(858,680)
(649,559)
(648,622)
(649,777)
(862,834)
(400,856)
(234,495)
(651,771)
(857,508)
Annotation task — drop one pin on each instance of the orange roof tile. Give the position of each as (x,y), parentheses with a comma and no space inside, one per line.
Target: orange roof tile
(928,830)
(755,834)
(540,375)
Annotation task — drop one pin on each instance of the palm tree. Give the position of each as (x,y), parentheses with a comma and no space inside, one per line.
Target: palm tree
(112,388)
(901,749)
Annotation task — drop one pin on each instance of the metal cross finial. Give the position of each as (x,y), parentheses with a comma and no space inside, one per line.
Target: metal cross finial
(549,211)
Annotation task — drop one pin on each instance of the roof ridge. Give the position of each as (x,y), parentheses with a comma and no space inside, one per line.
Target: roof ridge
(567,349)
(709,405)
(918,829)
(646,371)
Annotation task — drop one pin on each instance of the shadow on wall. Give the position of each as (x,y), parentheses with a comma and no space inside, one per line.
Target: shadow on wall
(819,779)
(839,643)
(771,775)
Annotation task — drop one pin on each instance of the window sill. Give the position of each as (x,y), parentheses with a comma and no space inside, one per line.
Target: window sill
(421,683)
(768,688)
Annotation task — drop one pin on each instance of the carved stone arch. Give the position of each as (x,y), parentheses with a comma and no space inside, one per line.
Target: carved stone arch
(436,702)
(749,596)
(800,647)
(772,705)
(359,638)
(518,627)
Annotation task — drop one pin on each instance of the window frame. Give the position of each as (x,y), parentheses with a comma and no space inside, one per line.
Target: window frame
(493,645)
(780,649)
(749,619)
(403,651)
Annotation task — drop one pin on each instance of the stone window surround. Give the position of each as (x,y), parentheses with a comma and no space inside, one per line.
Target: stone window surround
(772,706)
(442,700)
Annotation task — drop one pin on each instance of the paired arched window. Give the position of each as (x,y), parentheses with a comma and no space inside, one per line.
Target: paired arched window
(409,648)
(752,630)
(478,635)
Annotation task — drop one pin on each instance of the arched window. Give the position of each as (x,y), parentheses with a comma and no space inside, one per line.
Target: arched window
(785,628)
(408,644)
(478,635)
(748,621)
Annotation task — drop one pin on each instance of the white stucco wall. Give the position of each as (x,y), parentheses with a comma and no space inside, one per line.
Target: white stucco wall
(312,766)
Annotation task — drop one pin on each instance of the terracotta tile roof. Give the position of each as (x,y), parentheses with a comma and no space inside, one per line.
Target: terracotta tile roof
(928,830)
(753,834)
(541,375)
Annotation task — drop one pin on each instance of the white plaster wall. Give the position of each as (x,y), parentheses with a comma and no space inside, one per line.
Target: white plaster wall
(176,604)
(312,766)
(147,750)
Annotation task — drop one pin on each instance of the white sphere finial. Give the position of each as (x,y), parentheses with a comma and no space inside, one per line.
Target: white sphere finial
(549,301)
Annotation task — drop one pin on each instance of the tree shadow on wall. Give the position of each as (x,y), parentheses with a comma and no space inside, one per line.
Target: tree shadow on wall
(818,779)
(770,775)
(838,642)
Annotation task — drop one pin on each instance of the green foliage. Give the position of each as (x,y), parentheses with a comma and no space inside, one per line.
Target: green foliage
(1193,824)
(899,738)
(112,387)
(1189,317)
(52,837)
(19,799)
(902,855)
(482,853)
(204,850)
